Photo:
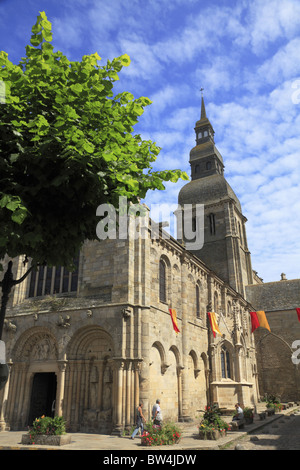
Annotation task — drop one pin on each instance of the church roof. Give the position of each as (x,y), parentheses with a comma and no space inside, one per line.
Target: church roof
(209,190)
(205,149)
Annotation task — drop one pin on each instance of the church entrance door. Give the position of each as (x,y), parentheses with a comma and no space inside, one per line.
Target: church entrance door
(42,395)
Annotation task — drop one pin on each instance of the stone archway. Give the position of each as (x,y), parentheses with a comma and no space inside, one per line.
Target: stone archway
(272,352)
(164,380)
(35,352)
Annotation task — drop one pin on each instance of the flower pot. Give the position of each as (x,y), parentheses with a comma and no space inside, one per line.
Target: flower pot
(49,440)
(211,435)
(249,419)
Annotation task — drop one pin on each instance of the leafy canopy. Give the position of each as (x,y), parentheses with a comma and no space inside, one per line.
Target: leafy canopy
(67,146)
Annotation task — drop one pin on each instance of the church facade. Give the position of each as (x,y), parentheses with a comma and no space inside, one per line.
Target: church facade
(91,344)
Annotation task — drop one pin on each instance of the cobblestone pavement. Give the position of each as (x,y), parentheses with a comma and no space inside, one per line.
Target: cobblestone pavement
(277,432)
(283,434)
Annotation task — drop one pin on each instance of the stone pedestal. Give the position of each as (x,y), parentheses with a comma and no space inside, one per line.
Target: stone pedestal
(42,439)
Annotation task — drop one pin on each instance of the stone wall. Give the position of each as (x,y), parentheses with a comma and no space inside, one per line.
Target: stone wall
(278,375)
(112,343)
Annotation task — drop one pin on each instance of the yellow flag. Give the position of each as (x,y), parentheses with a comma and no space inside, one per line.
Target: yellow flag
(263,319)
(213,323)
(174,320)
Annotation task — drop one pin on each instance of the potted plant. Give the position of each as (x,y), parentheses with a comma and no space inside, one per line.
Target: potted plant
(273,404)
(248,415)
(212,426)
(47,431)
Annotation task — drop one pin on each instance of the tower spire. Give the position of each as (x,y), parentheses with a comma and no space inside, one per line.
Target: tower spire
(203,111)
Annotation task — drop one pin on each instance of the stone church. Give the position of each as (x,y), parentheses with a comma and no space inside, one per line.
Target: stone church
(90,344)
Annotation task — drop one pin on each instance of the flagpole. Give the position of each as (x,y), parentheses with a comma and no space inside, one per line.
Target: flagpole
(225,323)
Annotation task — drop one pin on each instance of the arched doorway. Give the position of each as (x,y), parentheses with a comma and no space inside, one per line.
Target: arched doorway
(43,396)
(273,361)
(33,378)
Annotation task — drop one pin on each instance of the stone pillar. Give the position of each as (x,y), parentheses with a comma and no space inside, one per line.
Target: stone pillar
(118,397)
(179,380)
(3,424)
(62,365)
(12,394)
(142,370)
(128,396)
(79,367)
(238,362)
(185,339)
(70,381)
(100,385)
(23,370)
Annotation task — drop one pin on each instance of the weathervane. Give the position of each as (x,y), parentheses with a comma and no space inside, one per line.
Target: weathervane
(201,89)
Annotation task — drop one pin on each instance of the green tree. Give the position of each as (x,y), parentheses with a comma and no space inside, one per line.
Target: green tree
(67,146)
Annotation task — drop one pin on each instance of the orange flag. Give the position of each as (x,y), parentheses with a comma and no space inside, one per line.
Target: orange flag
(259,319)
(213,323)
(174,320)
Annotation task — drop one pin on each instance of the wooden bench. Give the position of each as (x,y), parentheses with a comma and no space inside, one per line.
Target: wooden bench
(237,424)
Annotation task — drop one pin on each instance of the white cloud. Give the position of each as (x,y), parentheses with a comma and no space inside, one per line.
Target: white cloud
(283,65)
(271,20)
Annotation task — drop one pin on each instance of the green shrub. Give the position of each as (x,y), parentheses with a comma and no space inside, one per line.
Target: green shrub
(47,426)
(212,419)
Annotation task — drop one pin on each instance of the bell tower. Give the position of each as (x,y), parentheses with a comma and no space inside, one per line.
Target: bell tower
(225,248)
(205,159)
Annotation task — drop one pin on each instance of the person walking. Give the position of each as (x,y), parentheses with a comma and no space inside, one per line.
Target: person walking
(156,413)
(139,421)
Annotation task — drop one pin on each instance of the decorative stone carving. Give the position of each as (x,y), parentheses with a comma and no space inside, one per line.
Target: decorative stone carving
(63,322)
(126,312)
(9,326)
(164,368)
(42,350)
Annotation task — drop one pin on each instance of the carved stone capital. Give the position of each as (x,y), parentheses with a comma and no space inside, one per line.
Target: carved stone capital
(164,367)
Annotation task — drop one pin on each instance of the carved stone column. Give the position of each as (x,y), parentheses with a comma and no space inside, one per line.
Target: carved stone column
(128,395)
(118,395)
(23,371)
(62,365)
(185,339)
(100,385)
(3,424)
(179,381)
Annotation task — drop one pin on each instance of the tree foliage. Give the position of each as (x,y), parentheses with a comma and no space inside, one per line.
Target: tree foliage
(67,146)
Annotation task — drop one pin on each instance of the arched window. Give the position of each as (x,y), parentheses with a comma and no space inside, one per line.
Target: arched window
(162,281)
(212,224)
(197,301)
(216,302)
(194,224)
(225,364)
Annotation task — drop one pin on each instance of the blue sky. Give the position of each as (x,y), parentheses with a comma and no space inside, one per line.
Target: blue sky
(244,53)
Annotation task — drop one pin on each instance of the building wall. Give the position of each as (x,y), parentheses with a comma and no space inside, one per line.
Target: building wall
(278,375)
(112,343)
